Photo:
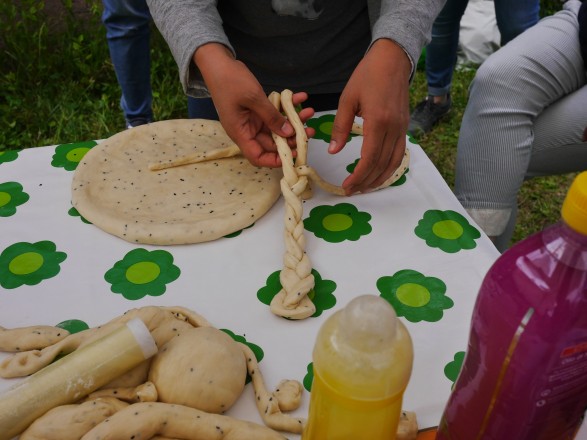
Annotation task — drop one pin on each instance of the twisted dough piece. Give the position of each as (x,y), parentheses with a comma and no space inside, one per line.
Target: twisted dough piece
(287,397)
(146,420)
(163,323)
(296,276)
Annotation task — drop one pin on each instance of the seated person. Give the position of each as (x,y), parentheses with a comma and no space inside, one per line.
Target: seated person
(526,117)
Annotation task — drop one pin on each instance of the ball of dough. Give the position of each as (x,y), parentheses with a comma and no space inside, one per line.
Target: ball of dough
(202,368)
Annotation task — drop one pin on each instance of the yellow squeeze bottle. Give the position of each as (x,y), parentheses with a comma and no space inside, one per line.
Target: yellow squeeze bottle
(74,376)
(362,363)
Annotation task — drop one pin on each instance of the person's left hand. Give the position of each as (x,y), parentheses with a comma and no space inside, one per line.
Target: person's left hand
(378,91)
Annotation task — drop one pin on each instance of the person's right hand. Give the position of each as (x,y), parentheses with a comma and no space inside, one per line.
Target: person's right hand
(244,110)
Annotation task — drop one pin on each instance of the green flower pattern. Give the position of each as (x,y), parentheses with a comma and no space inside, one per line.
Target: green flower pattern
(73,326)
(237,233)
(11,196)
(321,295)
(447,230)
(453,368)
(29,263)
(338,223)
(75,213)
(141,273)
(8,156)
(258,351)
(69,156)
(323,126)
(309,377)
(415,296)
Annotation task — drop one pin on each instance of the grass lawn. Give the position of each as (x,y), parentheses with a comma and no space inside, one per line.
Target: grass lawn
(58,86)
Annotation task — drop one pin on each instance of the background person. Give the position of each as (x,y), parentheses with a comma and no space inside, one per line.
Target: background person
(512,16)
(128,32)
(526,117)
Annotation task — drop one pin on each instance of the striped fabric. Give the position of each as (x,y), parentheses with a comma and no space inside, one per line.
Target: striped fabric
(525,117)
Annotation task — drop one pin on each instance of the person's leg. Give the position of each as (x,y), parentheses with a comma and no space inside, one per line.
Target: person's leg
(127,32)
(558,146)
(201,108)
(514,17)
(441,52)
(511,89)
(441,58)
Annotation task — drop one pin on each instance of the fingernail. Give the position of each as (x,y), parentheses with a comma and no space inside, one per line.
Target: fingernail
(287,129)
(332,147)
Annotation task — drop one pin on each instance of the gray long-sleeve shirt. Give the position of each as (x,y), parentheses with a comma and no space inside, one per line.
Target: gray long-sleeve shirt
(314,50)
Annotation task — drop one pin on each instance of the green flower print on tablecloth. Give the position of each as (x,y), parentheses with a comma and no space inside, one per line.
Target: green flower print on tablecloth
(73,326)
(447,230)
(141,273)
(69,156)
(453,368)
(309,377)
(415,296)
(11,196)
(323,126)
(8,156)
(29,263)
(75,213)
(321,295)
(350,168)
(338,223)
(237,233)
(258,351)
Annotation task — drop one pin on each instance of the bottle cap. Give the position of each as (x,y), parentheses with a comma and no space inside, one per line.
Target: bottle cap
(368,323)
(574,210)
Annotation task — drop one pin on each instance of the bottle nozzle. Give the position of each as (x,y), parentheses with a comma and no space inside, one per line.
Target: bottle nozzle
(574,210)
(368,322)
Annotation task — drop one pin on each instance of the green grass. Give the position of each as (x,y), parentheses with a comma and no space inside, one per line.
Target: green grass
(59,86)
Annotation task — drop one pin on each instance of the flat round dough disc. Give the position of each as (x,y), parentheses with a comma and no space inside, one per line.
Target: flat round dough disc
(114,188)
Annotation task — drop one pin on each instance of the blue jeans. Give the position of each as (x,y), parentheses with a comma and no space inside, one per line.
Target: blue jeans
(127,32)
(127,25)
(512,16)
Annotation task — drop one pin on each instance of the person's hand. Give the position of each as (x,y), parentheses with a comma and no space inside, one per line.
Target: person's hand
(244,110)
(378,91)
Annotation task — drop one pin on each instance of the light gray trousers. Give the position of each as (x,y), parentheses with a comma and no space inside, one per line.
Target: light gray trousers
(525,117)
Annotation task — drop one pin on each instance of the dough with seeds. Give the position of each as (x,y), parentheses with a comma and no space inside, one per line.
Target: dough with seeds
(117,187)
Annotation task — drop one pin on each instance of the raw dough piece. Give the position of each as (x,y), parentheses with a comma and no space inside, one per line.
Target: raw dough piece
(202,368)
(163,322)
(144,420)
(114,188)
(143,393)
(71,422)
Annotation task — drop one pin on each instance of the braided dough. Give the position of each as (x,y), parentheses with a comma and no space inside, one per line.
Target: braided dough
(296,277)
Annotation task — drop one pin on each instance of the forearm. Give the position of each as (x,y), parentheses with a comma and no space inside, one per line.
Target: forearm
(187,25)
(408,23)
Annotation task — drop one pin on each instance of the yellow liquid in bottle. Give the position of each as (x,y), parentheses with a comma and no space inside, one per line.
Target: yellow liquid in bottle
(362,362)
(337,417)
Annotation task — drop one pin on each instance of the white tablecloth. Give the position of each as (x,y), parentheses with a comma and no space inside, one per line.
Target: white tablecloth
(413,233)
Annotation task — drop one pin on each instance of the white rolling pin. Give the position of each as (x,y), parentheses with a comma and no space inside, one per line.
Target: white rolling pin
(74,376)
